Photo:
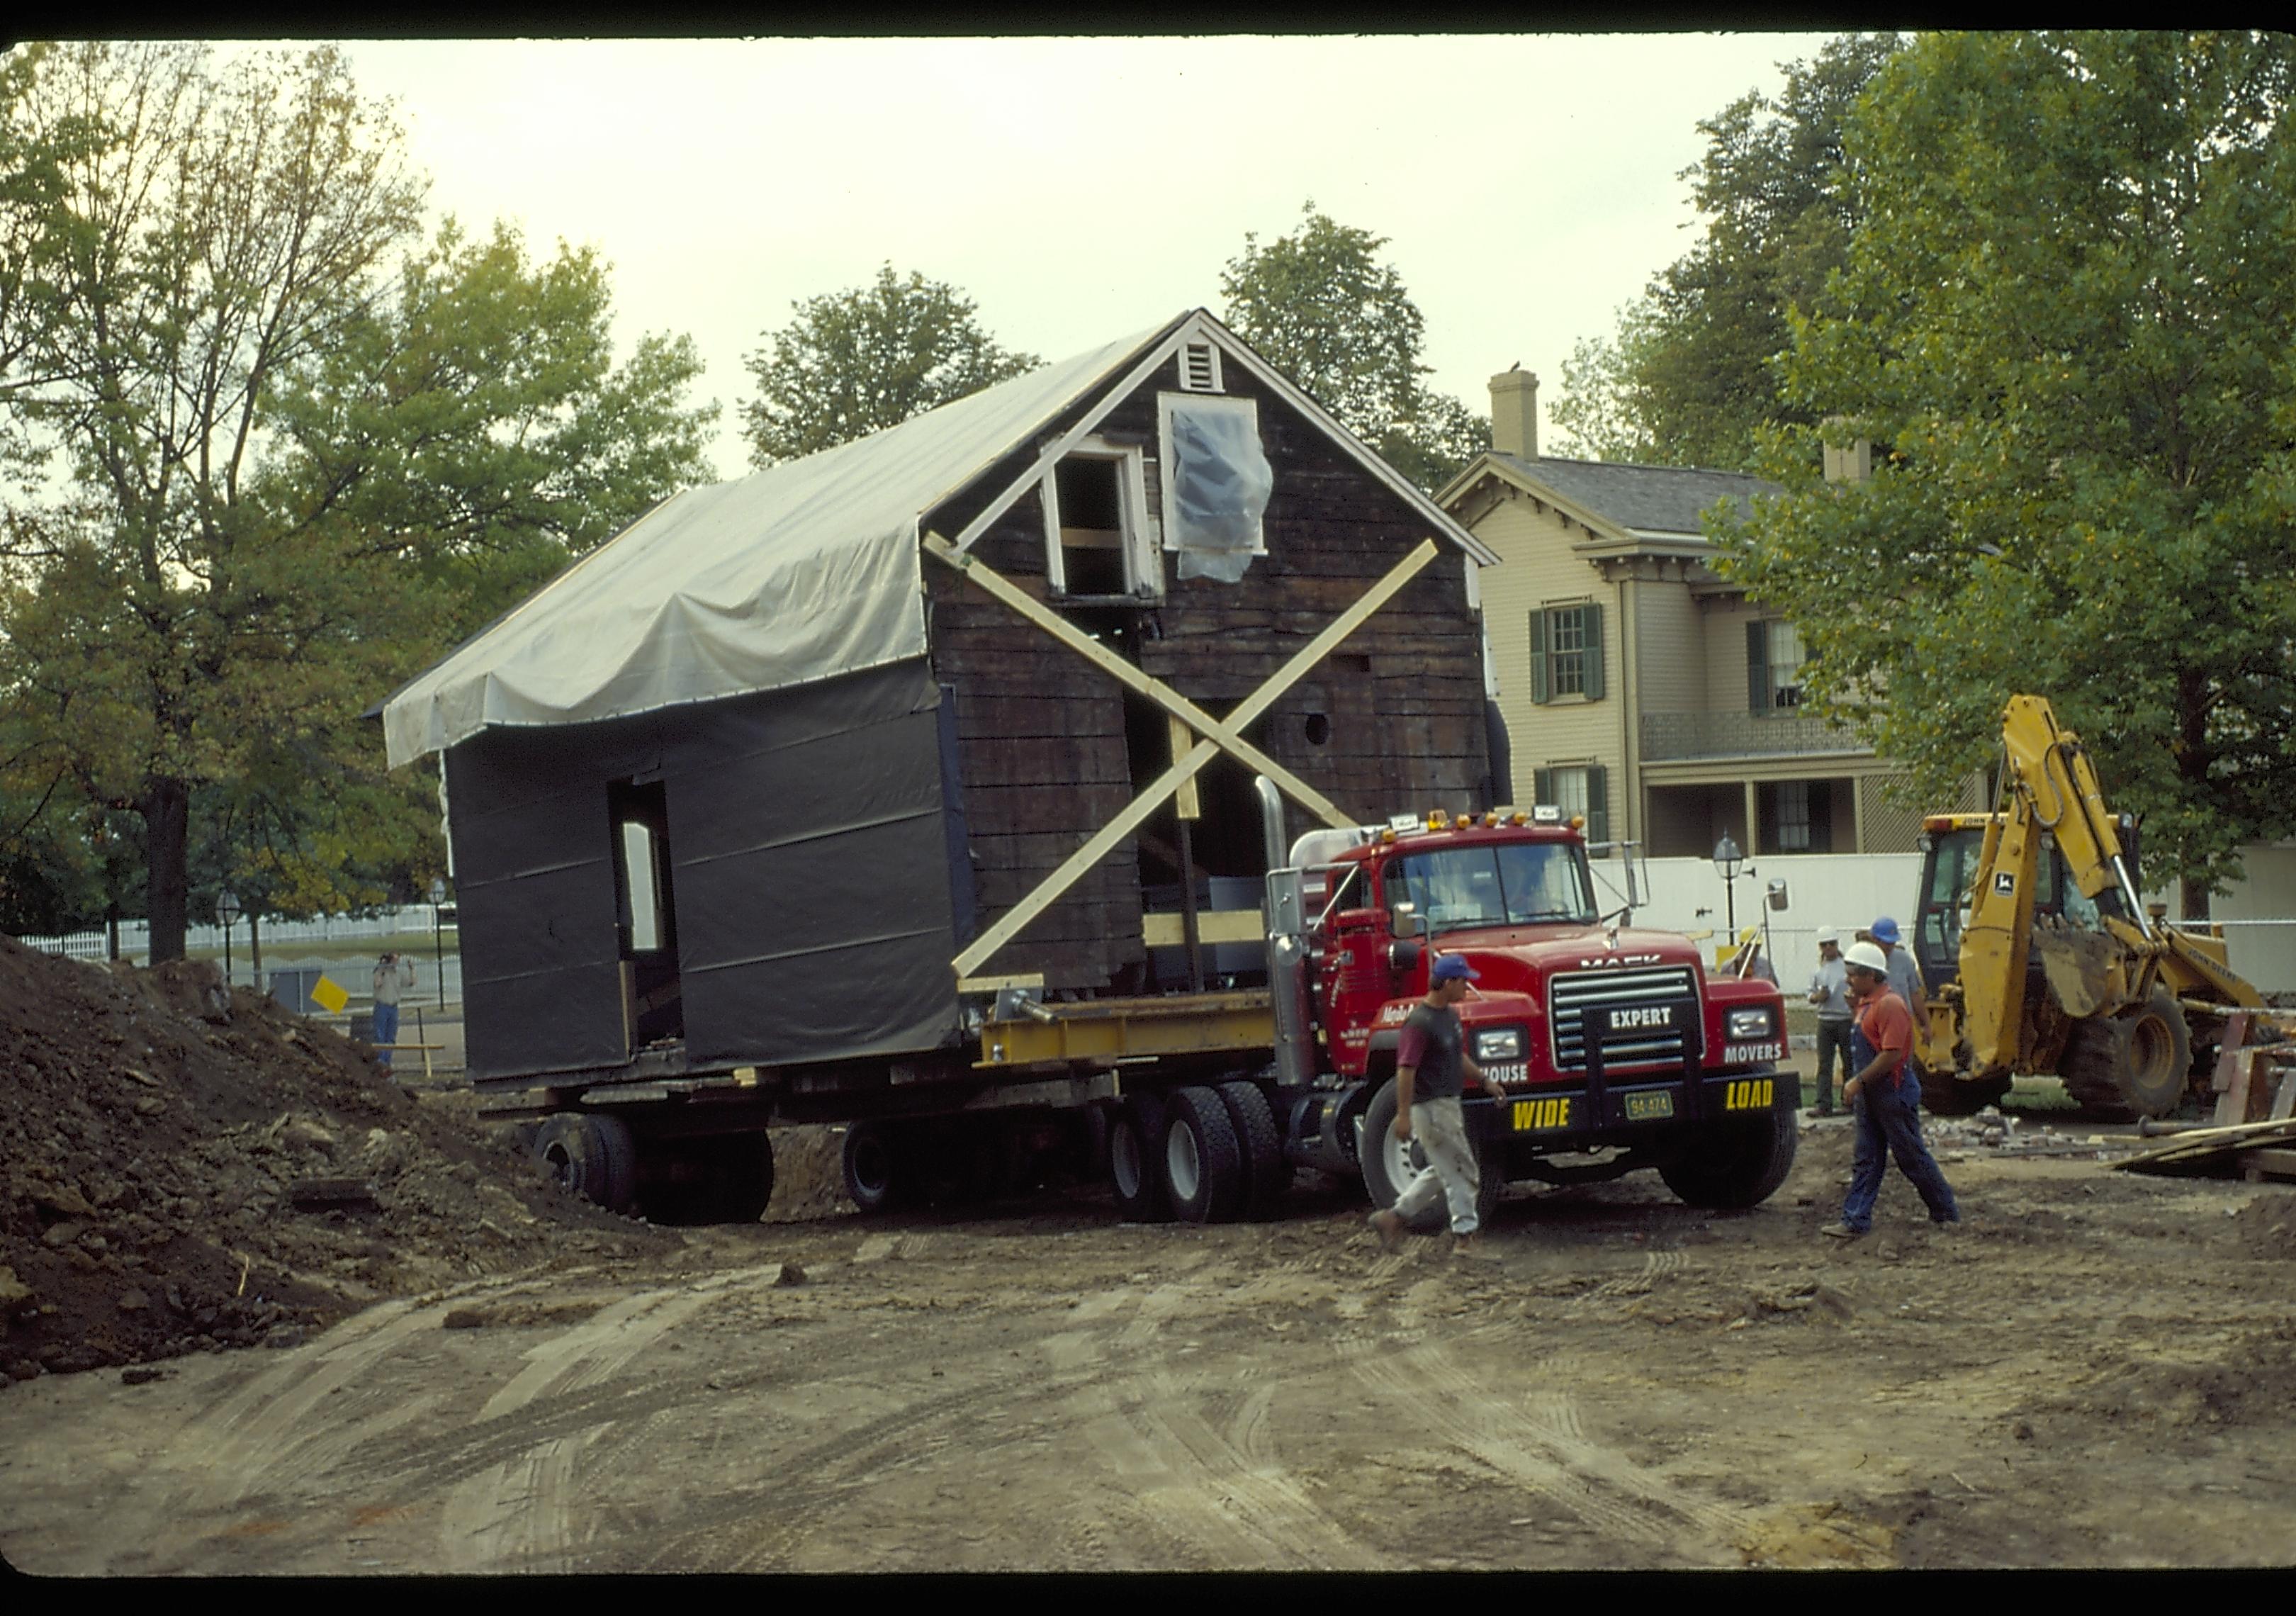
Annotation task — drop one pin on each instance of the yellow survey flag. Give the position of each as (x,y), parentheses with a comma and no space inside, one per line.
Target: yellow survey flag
(329,992)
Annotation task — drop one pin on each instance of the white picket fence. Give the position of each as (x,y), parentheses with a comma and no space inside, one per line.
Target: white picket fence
(135,935)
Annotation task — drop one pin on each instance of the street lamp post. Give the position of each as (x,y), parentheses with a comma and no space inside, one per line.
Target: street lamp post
(1726,860)
(437,937)
(226,912)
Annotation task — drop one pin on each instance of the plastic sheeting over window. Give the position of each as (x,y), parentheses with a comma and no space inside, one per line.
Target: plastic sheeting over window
(1216,480)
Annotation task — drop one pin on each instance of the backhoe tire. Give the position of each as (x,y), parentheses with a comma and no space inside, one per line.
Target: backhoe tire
(1735,1163)
(593,1156)
(1203,1163)
(2131,1065)
(1266,1174)
(1944,1094)
(1135,1159)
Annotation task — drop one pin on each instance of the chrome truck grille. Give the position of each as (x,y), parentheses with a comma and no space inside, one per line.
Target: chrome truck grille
(1568,996)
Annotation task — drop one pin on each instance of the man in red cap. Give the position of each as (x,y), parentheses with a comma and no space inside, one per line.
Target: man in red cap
(1430,1058)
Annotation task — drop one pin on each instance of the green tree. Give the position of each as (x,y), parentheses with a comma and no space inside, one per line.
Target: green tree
(2086,485)
(856,362)
(294,478)
(1691,375)
(1321,308)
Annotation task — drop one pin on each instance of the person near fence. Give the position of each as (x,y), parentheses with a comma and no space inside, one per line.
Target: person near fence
(1885,1096)
(1829,991)
(394,974)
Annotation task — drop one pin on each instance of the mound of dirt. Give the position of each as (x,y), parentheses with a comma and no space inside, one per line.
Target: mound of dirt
(185,1168)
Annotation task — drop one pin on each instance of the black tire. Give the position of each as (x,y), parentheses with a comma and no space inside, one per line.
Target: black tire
(595,1157)
(1944,1094)
(1135,1159)
(1387,1165)
(873,1167)
(1736,1162)
(2135,1064)
(1266,1174)
(738,1181)
(1203,1163)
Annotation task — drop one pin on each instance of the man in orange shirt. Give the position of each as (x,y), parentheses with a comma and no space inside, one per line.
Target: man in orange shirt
(1885,1098)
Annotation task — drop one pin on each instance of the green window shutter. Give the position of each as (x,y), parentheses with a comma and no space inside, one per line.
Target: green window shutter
(1758,667)
(1598,804)
(1593,618)
(1538,656)
(1542,785)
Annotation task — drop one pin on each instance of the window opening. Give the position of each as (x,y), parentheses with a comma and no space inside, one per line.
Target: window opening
(645,911)
(1215,484)
(1785,660)
(1096,523)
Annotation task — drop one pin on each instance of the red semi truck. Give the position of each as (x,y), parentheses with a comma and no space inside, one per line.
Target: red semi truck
(1616,1049)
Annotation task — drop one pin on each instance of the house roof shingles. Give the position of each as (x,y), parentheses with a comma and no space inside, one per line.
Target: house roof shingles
(1641,498)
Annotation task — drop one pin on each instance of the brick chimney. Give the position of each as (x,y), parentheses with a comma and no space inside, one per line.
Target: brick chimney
(1514,413)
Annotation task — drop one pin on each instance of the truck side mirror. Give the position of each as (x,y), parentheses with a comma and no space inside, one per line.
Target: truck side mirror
(1402,954)
(1406,921)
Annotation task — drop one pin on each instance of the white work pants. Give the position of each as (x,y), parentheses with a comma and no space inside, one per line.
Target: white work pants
(1441,1126)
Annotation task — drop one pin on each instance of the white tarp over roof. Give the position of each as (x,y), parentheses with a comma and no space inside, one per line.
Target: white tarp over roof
(799,572)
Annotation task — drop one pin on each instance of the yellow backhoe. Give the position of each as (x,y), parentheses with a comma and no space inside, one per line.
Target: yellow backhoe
(2041,956)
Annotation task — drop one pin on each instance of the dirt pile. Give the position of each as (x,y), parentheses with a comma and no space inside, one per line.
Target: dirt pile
(185,1168)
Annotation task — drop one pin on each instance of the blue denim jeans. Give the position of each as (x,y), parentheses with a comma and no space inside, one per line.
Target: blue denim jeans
(386,1029)
(1890,1124)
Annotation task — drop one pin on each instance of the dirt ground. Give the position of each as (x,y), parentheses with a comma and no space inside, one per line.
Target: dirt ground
(2099,1369)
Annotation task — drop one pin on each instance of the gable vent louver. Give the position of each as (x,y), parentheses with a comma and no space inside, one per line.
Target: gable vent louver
(1199,368)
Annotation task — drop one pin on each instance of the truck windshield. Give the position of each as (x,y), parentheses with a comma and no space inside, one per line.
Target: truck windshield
(1513,884)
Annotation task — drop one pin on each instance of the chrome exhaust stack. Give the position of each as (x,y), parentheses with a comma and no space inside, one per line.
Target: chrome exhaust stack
(1287,948)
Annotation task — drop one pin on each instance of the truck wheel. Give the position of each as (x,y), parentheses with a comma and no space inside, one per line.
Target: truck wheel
(2130,1065)
(1203,1164)
(873,1167)
(1944,1094)
(1388,1163)
(1736,1162)
(1267,1175)
(737,1180)
(1136,1161)
(593,1156)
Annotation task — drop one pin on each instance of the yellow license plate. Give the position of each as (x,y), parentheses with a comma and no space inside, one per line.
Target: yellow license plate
(1749,1094)
(1535,1116)
(1641,1108)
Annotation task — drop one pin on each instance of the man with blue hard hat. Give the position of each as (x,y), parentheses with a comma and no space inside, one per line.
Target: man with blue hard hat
(1430,1060)
(1904,975)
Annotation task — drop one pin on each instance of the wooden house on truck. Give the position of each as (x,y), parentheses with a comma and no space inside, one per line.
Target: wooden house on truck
(752,786)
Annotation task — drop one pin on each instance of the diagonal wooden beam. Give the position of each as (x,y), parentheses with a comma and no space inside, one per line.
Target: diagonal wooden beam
(1218,733)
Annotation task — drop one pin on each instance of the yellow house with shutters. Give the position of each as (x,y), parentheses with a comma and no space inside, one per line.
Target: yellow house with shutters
(1638,687)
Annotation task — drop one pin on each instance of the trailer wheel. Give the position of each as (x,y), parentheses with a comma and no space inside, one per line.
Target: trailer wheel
(1736,1162)
(1136,1161)
(593,1156)
(873,1167)
(1266,1174)
(1203,1163)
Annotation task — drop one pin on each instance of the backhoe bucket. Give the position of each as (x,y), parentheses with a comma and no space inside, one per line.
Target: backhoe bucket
(2083,968)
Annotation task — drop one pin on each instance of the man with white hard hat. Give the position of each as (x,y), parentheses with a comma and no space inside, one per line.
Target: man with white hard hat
(1829,991)
(1885,1096)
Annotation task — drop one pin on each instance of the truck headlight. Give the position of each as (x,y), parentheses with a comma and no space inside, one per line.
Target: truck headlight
(1499,1044)
(1753,1023)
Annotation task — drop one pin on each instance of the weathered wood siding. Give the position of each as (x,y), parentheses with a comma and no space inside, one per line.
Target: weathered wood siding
(1042,733)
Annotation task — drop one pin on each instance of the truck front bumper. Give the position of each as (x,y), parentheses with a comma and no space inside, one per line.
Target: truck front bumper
(1630,1108)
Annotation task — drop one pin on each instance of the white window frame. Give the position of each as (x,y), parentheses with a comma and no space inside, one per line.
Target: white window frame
(1778,688)
(1144,567)
(1218,404)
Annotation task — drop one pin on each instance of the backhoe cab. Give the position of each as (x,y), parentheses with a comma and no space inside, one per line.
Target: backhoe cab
(2042,957)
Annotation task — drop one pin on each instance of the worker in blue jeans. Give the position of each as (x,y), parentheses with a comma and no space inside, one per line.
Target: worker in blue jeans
(1885,1096)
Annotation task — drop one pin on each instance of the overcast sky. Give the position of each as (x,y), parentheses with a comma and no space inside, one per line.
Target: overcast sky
(1078,190)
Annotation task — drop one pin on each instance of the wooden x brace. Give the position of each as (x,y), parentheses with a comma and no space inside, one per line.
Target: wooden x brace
(1217,734)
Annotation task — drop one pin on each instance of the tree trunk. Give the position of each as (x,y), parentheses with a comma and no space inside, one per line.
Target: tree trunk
(166,810)
(2193,899)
